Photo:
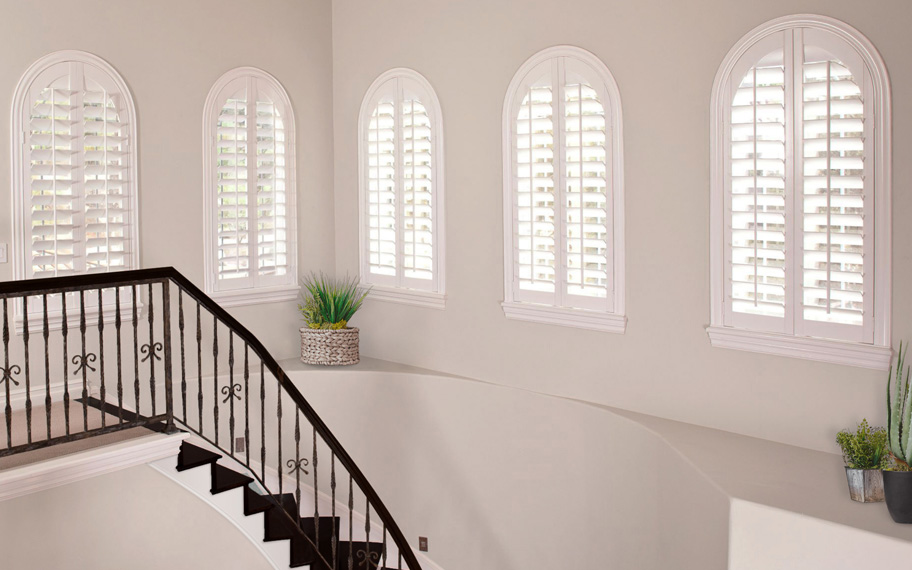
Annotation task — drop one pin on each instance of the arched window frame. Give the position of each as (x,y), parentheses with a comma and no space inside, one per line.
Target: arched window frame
(433,293)
(21,190)
(286,288)
(613,318)
(876,354)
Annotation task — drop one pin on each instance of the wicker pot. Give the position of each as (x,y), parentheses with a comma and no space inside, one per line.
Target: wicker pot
(330,347)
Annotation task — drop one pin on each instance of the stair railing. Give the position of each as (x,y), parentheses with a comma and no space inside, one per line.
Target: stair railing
(119,332)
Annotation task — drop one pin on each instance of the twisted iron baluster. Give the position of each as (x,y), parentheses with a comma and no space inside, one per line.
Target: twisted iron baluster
(28,383)
(215,395)
(135,350)
(64,329)
(247,404)
(85,372)
(117,326)
(101,370)
(46,331)
(152,346)
(199,365)
(180,326)
(8,377)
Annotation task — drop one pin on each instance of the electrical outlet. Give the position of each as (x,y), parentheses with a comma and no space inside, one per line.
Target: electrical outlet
(3,258)
(422,544)
(240,444)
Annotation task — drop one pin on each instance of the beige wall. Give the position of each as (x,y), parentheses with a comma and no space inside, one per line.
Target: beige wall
(136,518)
(170,52)
(664,55)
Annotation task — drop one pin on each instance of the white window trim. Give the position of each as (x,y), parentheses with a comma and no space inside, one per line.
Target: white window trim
(19,187)
(403,295)
(616,320)
(878,354)
(252,295)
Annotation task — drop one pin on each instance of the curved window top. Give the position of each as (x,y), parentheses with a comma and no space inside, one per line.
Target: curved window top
(801,191)
(250,189)
(563,192)
(402,190)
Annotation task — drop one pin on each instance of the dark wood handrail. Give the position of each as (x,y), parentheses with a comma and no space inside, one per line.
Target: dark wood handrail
(160,274)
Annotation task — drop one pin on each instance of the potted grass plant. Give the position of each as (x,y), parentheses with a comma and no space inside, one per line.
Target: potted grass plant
(864,452)
(327,306)
(897,476)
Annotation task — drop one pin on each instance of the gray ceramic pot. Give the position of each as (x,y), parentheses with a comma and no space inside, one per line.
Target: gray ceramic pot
(865,485)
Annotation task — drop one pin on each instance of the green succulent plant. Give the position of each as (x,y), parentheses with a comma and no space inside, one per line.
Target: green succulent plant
(866,448)
(330,303)
(899,415)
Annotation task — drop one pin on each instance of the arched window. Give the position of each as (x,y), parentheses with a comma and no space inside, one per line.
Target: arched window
(250,190)
(801,194)
(74,174)
(563,193)
(401,203)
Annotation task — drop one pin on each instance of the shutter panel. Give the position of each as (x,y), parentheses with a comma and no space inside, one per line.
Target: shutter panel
(381,194)
(534,195)
(758,201)
(53,154)
(272,254)
(834,194)
(231,174)
(586,192)
(417,187)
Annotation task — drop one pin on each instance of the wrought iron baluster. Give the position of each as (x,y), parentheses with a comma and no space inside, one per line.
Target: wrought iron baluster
(332,485)
(7,377)
(166,339)
(367,532)
(101,370)
(151,356)
(84,364)
(180,326)
(28,382)
(262,420)
(351,527)
(316,496)
(384,545)
(215,396)
(279,437)
(199,365)
(135,350)
(297,470)
(247,404)
(64,326)
(46,332)
(230,391)
(400,557)
(117,326)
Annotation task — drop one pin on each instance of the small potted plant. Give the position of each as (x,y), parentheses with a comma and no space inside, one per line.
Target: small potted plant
(328,305)
(864,453)
(897,476)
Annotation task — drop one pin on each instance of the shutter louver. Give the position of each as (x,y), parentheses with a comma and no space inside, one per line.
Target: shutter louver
(417,180)
(758,201)
(535,202)
(231,174)
(834,194)
(272,255)
(381,195)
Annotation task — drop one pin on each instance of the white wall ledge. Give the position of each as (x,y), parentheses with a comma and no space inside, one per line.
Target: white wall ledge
(817,349)
(404,296)
(256,296)
(562,316)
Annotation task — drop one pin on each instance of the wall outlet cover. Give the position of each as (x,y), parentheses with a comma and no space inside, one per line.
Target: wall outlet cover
(422,544)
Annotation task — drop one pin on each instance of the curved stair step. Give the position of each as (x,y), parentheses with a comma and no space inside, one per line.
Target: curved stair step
(224,479)
(191,456)
(302,550)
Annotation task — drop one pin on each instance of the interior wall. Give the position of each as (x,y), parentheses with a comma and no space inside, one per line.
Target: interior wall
(664,56)
(135,518)
(170,53)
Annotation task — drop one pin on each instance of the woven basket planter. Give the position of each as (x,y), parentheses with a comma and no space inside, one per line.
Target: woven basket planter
(330,347)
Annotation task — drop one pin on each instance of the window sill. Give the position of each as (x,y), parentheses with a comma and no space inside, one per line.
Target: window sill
(256,296)
(74,318)
(405,296)
(818,349)
(578,318)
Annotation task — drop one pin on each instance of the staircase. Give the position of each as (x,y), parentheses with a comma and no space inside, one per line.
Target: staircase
(148,349)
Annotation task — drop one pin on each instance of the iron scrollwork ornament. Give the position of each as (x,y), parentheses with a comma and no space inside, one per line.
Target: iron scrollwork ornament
(151,351)
(8,374)
(82,362)
(297,466)
(229,392)
(368,559)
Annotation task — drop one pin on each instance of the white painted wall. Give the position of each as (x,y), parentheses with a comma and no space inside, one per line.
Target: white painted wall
(136,518)
(170,53)
(664,56)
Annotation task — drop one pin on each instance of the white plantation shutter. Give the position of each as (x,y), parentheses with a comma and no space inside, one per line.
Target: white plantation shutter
(562,184)
(802,166)
(250,167)
(401,208)
(78,141)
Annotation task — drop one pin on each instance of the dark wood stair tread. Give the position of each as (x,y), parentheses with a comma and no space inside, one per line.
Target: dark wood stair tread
(224,479)
(302,550)
(191,456)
